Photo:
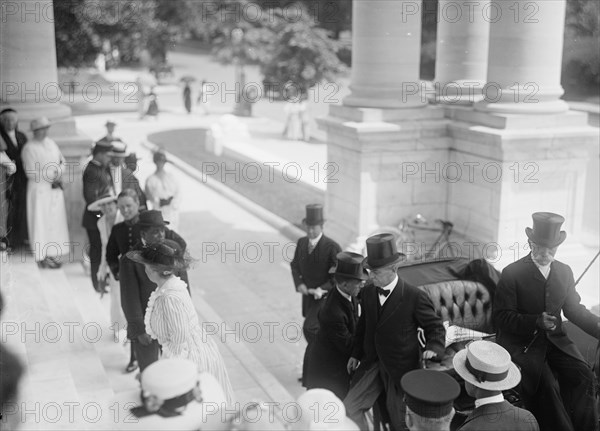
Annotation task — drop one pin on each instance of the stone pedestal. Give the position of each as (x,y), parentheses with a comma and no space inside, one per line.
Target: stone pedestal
(389,163)
(513,166)
(29,84)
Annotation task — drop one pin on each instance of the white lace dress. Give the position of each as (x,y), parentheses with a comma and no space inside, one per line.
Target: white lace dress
(171,319)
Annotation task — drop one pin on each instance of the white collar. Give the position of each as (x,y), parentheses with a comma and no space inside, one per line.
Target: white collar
(314,242)
(345,295)
(494,399)
(391,286)
(545,270)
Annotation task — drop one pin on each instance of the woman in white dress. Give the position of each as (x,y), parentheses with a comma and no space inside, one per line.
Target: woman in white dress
(162,191)
(46,211)
(171,318)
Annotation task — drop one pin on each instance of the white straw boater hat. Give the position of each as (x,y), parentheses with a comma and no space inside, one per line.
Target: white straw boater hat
(172,397)
(487,365)
(104,199)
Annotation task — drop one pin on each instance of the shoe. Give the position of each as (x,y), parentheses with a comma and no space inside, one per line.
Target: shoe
(43,264)
(50,263)
(131,367)
(56,261)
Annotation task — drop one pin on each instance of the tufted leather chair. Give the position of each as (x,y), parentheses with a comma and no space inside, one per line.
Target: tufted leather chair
(463,303)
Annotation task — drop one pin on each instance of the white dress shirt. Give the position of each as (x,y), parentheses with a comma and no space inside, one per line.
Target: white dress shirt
(389,287)
(489,400)
(313,242)
(545,270)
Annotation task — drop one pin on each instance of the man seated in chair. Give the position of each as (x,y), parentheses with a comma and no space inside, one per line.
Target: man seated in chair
(528,303)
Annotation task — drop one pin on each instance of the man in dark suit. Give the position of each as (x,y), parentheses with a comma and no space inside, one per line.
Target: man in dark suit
(97,182)
(136,287)
(337,325)
(487,371)
(16,186)
(386,345)
(531,295)
(314,257)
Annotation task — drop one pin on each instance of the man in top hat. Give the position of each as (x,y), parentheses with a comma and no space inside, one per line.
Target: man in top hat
(530,297)
(487,371)
(386,345)
(337,326)
(429,397)
(315,255)
(16,184)
(97,182)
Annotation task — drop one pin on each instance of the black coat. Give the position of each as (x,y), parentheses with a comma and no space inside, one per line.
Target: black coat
(97,181)
(499,417)
(313,269)
(333,346)
(16,190)
(522,296)
(392,337)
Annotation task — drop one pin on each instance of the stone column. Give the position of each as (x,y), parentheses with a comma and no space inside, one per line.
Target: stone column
(525,55)
(461,51)
(386,47)
(29,84)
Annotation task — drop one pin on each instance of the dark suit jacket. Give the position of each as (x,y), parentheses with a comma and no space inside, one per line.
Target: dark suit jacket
(333,346)
(313,269)
(392,338)
(97,181)
(522,295)
(499,417)
(16,189)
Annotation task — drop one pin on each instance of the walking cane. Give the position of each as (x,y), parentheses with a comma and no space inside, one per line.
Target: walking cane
(536,332)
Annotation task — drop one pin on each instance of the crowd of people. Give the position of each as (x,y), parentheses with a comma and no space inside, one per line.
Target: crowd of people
(361,320)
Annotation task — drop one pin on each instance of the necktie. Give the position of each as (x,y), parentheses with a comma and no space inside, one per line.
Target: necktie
(311,247)
(382,291)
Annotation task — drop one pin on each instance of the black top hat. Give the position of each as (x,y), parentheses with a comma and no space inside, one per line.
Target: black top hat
(381,251)
(151,218)
(429,393)
(350,265)
(314,215)
(546,229)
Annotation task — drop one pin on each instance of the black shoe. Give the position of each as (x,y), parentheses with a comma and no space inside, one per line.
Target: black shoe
(55,261)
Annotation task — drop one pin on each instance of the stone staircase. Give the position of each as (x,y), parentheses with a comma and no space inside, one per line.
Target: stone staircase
(61,331)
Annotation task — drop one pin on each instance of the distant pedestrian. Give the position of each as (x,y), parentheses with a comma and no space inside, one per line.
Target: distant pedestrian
(187,98)
(152,110)
(162,190)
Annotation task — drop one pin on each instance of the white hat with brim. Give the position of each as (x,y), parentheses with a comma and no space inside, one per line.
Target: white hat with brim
(119,149)
(95,206)
(487,365)
(39,123)
(324,419)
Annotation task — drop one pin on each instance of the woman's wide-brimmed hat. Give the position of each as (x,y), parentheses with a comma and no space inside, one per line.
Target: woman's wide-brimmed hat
(350,265)
(487,365)
(546,229)
(104,199)
(39,123)
(119,149)
(382,251)
(165,254)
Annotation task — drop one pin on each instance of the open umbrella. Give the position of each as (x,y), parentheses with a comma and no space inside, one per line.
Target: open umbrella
(187,78)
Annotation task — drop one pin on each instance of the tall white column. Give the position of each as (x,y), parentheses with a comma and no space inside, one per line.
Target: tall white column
(525,55)
(461,51)
(386,53)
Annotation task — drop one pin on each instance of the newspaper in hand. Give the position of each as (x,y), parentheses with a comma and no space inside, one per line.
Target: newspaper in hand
(455,334)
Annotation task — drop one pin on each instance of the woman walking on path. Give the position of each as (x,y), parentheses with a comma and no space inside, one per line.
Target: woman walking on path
(162,191)
(171,317)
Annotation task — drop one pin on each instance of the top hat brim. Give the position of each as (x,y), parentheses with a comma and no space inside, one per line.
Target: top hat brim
(95,206)
(380,263)
(314,222)
(510,381)
(544,243)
